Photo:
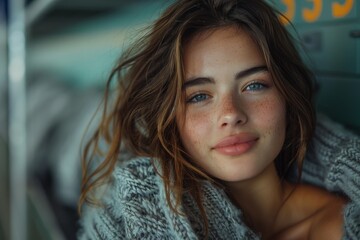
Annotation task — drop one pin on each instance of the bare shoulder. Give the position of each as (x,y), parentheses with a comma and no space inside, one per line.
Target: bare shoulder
(314,214)
(327,222)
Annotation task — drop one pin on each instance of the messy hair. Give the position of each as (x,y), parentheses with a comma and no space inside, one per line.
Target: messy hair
(142,117)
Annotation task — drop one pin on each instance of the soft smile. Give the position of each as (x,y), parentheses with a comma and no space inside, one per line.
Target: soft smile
(236,144)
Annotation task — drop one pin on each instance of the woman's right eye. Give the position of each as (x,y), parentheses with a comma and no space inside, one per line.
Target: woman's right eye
(198,98)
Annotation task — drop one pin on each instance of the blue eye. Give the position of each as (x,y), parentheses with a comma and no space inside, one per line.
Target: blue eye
(255,86)
(198,98)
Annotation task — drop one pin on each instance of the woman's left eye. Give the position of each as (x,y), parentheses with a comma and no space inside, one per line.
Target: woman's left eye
(255,86)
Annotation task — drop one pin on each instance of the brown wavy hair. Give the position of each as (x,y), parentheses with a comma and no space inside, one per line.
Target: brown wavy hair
(148,93)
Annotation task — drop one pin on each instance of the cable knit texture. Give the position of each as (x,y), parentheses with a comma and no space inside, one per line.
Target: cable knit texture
(135,207)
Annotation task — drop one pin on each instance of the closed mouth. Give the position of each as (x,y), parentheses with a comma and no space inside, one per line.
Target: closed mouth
(236,144)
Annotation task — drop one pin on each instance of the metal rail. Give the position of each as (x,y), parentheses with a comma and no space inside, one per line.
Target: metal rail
(17,119)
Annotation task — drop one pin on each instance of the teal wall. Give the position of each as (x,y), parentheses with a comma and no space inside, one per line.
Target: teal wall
(84,54)
(331,51)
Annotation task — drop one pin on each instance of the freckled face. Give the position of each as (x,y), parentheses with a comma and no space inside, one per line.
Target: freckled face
(234,125)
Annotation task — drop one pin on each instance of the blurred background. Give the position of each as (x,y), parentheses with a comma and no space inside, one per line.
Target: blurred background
(55,57)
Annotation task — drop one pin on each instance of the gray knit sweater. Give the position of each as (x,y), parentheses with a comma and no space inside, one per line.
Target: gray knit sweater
(135,207)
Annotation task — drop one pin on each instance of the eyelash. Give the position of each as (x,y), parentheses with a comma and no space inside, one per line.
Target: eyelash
(192,100)
(261,86)
(255,83)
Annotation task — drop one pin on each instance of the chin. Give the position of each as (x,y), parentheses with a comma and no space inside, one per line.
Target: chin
(238,176)
(242,174)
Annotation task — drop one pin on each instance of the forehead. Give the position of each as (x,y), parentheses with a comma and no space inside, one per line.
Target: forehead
(221,46)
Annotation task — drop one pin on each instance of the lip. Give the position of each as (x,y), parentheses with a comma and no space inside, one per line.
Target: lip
(236,144)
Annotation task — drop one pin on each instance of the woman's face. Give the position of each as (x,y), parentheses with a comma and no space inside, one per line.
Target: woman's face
(234,125)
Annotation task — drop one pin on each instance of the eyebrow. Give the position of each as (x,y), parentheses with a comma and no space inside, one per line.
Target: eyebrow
(250,71)
(205,80)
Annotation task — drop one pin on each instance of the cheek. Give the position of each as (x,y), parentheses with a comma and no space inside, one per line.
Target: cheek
(271,115)
(194,130)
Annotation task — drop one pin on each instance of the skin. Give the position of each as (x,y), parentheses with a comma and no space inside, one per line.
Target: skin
(234,128)
(221,105)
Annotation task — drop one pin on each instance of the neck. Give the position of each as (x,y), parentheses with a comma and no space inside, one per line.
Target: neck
(261,199)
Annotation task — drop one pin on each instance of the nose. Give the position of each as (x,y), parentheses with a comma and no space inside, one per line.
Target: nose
(231,113)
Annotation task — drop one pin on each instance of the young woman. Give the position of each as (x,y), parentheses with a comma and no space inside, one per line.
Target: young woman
(217,106)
